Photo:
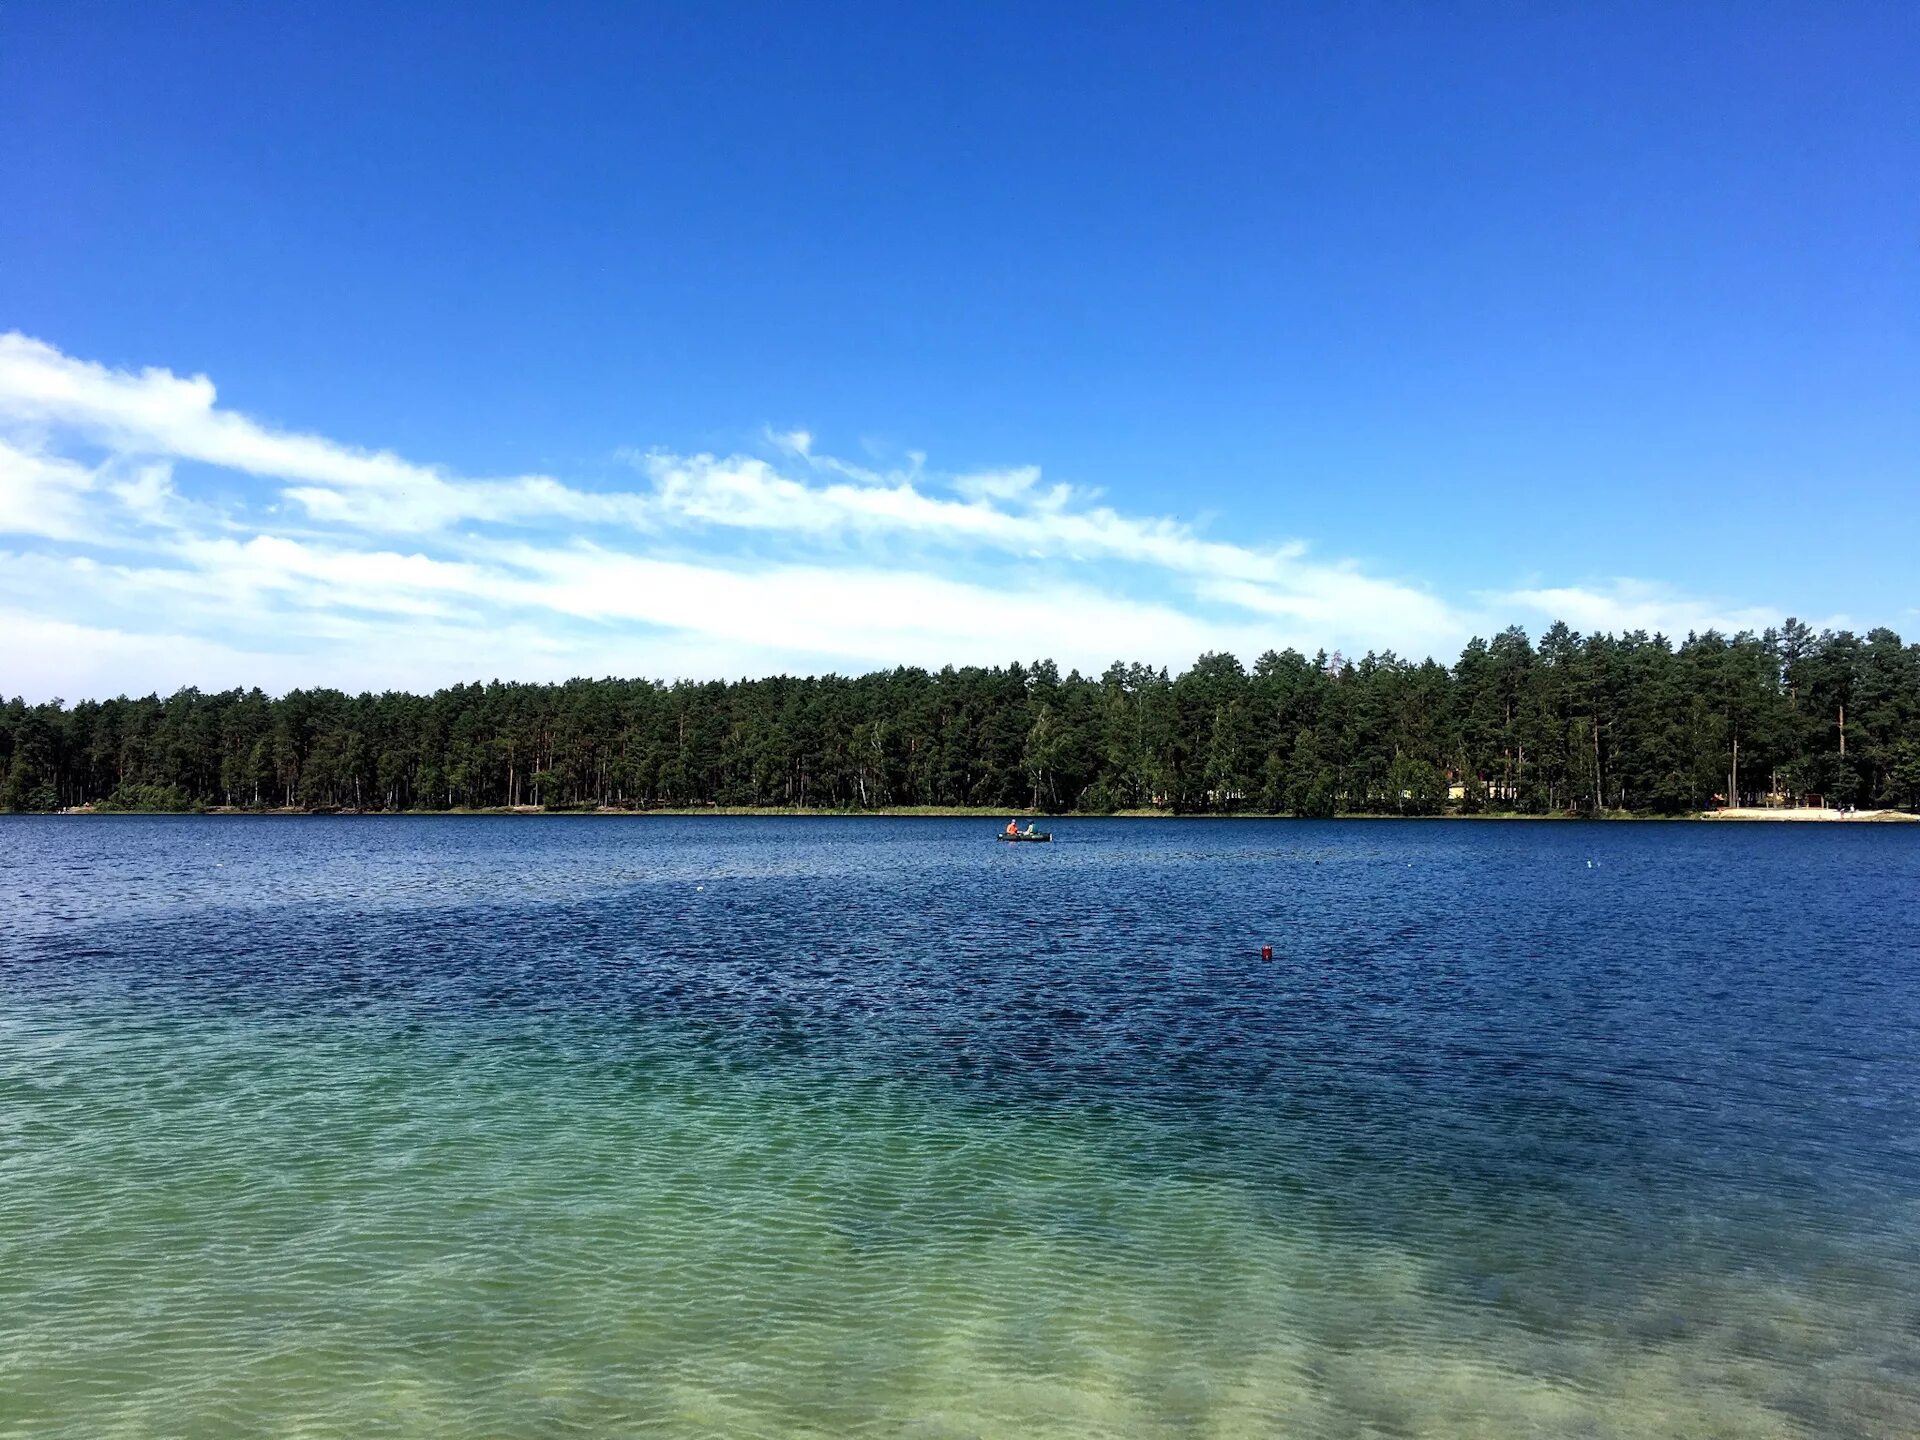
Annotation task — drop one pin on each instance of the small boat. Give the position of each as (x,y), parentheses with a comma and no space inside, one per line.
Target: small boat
(1035,837)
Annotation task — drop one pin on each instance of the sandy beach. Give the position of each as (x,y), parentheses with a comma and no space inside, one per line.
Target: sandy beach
(1755,812)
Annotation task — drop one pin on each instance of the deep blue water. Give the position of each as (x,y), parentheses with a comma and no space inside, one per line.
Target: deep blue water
(1546,1128)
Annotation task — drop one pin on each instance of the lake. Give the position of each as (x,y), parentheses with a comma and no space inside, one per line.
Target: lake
(822,1127)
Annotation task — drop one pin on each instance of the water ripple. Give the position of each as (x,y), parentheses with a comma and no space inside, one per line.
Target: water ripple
(438,1128)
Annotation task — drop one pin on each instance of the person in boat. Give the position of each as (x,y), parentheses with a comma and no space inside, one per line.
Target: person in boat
(1013,827)
(1029,827)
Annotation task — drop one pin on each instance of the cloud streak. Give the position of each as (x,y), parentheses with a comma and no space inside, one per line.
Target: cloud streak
(345,565)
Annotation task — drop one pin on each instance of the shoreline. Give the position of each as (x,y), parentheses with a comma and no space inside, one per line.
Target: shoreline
(1747,814)
(1806,815)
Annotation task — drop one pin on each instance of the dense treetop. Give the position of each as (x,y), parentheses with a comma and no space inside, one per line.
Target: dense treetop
(1599,722)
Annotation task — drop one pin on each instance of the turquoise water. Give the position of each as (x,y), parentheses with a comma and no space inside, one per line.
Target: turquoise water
(791,1128)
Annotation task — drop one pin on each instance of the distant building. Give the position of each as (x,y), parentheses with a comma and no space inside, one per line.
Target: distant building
(1505,790)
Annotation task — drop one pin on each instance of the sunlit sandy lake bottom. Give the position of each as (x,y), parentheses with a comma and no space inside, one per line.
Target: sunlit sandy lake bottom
(829,1128)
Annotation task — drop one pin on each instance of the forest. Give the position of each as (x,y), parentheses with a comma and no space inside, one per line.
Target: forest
(1572,725)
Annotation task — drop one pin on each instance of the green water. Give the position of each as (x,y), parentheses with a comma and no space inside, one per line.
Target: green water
(251,1229)
(432,1131)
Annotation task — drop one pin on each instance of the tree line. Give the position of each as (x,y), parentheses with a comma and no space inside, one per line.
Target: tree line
(1574,724)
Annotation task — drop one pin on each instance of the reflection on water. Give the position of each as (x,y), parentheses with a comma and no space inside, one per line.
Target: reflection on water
(831,1127)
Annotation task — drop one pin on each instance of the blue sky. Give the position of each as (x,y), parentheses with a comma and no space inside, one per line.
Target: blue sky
(394,345)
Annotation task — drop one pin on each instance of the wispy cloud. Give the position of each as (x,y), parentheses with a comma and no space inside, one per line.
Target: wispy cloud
(1625,604)
(157,412)
(43,495)
(351,566)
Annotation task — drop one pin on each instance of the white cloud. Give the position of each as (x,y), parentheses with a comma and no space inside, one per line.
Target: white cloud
(1016,483)
(157,412)
(148,494)
(271,586)
(359,567)
(1625,604)
(43,657)
(43,495)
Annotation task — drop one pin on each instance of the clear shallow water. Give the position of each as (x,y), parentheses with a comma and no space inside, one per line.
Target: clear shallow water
(788,1127)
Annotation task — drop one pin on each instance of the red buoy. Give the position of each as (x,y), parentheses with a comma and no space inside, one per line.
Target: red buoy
(1266,952)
